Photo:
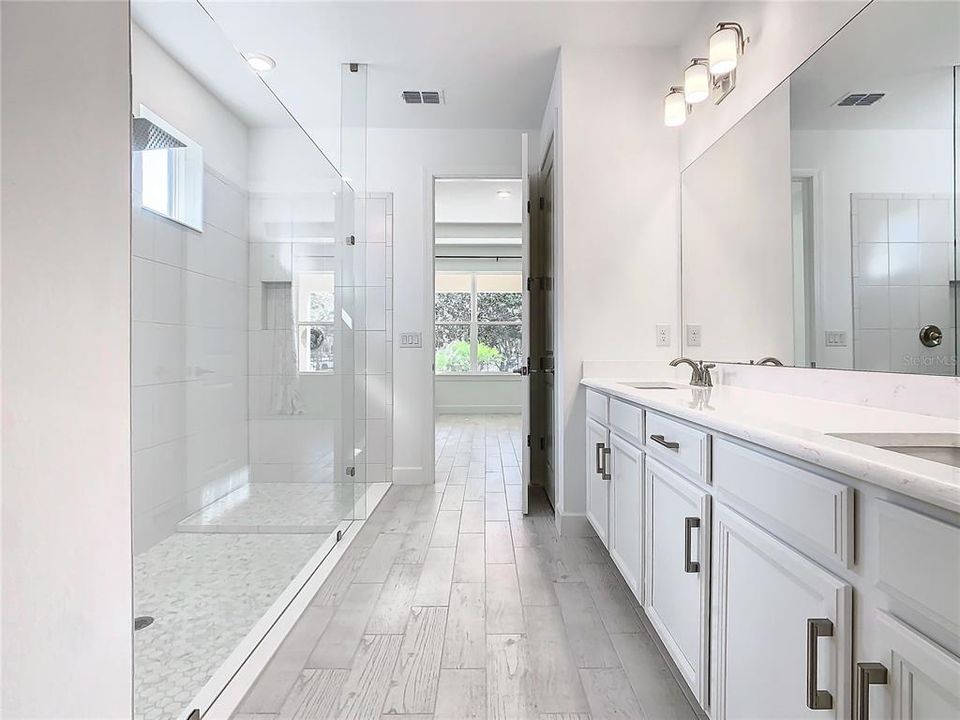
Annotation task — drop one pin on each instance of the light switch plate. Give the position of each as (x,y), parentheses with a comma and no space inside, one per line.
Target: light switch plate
(693,336)
(835,338)
(411,339)
(663,336)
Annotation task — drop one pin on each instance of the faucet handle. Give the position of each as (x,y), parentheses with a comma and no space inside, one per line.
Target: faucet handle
(705,367)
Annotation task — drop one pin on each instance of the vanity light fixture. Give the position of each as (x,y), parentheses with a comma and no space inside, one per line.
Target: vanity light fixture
(260,63)
(675,107)
(696,81)
(726,46)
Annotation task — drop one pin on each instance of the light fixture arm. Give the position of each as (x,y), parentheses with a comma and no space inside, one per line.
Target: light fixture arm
(741,36)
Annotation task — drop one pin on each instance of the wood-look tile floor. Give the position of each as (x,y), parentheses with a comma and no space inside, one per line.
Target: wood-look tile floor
(451,604)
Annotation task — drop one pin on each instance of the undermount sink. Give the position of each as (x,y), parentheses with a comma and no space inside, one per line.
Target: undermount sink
(943,448)
(651,386)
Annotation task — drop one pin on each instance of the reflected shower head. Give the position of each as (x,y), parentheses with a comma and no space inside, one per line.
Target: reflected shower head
(147,136)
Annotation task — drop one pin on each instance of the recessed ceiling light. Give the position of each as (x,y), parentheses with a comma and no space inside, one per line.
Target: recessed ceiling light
(260,63)
(503,194)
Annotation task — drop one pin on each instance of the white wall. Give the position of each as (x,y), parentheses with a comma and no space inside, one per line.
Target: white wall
(476,394)
(66,607)
(403,162)
(782,35)
(162,84)
(737,240)
(619,217)
(847,162)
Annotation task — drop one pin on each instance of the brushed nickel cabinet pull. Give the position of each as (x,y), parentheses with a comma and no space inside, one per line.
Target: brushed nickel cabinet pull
(817,699)
(606,470)
(599,461)
(868,674)
(668,444)
(689,565)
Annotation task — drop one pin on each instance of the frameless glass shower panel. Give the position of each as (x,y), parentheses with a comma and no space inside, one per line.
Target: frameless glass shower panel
(244,294)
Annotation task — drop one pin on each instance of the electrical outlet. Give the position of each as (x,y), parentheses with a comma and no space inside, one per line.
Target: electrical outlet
(411,340)
(835,338)
(693,336)
(663,336)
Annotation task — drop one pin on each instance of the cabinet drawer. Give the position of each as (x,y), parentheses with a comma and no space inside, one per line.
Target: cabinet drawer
(679,446)
(627,421)
(918,563)
(597,406)
(808,511)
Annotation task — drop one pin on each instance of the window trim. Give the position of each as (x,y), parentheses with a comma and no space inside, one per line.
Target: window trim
(300,324)
(474,322)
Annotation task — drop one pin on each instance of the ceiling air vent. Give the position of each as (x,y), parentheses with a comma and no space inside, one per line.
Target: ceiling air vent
(859,99)
(422,97)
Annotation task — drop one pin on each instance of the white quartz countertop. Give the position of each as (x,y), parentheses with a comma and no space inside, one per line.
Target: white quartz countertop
(800,427)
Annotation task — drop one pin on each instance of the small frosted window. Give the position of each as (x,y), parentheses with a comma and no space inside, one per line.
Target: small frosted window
(170,166)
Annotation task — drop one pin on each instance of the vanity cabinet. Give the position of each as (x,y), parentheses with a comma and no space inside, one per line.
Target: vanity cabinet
(626,487)
(598,478)
(677,570)
(917,679)
(782,629)
(780,588)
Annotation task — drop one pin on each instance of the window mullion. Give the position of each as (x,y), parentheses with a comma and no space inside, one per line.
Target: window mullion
(474,350)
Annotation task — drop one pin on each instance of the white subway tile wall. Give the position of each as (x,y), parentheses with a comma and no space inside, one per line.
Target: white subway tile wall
(189,369)
(902,276)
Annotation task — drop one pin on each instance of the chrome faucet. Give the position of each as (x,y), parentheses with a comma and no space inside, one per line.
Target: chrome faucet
(701,371)
(769,360)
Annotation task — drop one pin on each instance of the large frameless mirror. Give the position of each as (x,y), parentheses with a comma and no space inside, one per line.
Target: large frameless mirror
(820,231)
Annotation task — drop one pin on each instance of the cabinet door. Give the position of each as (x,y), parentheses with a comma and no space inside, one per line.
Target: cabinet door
(598,488)
(677,569)
(626,510)
(922,679)
(767,659)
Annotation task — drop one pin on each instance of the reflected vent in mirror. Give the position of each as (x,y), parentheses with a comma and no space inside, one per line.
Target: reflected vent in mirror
(422,97)
(860,99)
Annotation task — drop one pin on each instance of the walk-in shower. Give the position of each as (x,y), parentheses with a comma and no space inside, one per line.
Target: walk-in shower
(261,366)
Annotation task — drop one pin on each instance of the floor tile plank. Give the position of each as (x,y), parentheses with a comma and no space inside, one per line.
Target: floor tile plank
(462,695)
(464,645)
(413,688)
(504,609)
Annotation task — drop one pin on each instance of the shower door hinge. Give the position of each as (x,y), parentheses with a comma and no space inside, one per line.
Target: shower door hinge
(528,441)
(351,240)
(339,535)
(528,207)
(354,67)
(350,470)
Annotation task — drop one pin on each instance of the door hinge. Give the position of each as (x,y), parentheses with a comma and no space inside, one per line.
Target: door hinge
(351,240)
(541,203)
(528,441)
(350,471)
(528,207)
(529,284)
(339,535)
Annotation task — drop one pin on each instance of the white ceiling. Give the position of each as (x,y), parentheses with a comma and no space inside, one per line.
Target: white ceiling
(904,49)
(494,61)
(477,201)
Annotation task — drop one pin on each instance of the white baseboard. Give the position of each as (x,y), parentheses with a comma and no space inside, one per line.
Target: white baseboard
(223,693)
(412,476)
(478,410)
(574,525)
